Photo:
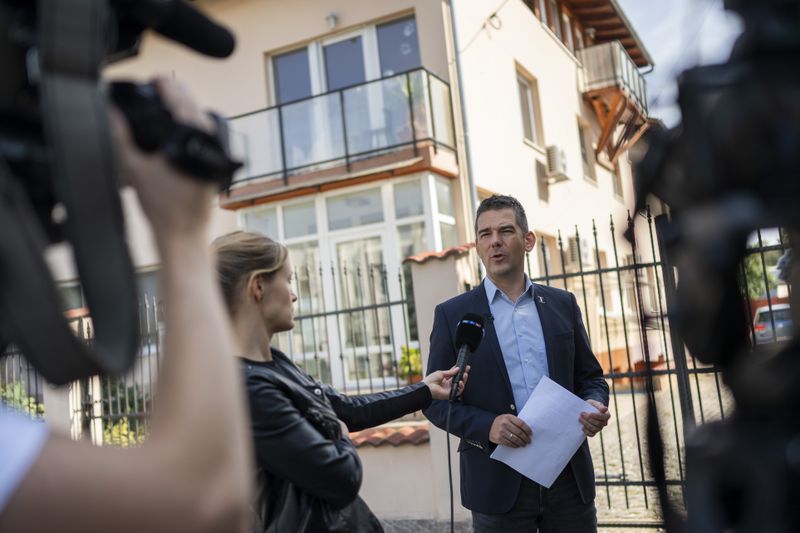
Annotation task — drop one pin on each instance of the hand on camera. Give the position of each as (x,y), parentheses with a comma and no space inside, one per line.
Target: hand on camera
(441,381)
(176,204)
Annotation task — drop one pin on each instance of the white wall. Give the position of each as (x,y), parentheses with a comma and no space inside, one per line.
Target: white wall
(502,161)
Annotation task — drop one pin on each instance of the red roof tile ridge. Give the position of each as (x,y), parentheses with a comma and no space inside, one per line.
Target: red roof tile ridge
(394,433)
(447,252)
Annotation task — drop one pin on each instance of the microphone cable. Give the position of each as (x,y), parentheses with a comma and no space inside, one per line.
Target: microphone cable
(449,466)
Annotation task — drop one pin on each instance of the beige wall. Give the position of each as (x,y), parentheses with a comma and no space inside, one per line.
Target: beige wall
(397,481)
(139,237)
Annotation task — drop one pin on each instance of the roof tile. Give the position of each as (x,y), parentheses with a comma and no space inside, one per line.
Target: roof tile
(414,433)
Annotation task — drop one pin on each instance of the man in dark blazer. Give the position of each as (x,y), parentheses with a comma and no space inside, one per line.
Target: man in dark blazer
(530,331)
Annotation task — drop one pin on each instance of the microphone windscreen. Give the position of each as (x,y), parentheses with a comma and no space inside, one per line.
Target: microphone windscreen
(469,331)
(187,25)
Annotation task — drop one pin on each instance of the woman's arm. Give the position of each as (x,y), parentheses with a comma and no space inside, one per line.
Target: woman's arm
(288,446)
(192,474)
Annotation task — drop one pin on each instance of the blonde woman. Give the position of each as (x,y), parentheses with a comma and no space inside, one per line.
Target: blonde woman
(308,471)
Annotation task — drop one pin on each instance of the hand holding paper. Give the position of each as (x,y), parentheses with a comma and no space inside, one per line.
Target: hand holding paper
(593,422)
(554,415)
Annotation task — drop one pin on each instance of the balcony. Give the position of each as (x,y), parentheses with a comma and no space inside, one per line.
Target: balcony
(400,123)
(616,89)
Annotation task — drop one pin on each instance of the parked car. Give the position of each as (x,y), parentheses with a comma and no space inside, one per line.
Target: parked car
(780,315)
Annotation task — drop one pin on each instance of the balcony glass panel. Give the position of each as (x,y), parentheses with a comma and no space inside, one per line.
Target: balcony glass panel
(373,118)
(441,108)
(255,139)
(418,82)
(312,131)
(377,115)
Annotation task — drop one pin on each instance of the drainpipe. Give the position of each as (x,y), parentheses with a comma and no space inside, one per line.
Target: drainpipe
(473,190)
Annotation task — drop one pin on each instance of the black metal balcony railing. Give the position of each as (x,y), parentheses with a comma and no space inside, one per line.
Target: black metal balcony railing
(339,127)
(609,65)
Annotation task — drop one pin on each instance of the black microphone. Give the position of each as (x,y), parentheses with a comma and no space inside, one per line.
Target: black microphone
(181,22)
(469,333)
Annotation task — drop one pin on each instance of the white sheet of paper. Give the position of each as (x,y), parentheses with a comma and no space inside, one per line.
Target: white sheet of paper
(553,413)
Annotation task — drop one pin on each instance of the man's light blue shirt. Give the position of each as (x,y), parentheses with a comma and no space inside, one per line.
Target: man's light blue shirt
(519,332)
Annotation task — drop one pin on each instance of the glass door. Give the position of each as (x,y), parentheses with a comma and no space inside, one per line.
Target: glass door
(365,328)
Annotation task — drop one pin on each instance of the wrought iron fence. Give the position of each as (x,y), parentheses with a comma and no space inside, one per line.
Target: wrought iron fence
(612,282)
(21,387)
(355,328)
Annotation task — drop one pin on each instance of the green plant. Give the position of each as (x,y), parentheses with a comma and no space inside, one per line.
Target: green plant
(121,434)
(123,408)
(410,364)
(759,277)
(16,397)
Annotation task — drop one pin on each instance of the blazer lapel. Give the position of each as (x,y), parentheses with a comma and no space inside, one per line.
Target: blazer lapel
(490,336)
(545,310)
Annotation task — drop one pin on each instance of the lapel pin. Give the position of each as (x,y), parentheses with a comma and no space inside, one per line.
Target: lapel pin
(541,299)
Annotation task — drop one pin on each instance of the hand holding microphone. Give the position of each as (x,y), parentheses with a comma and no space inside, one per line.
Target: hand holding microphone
(441,383)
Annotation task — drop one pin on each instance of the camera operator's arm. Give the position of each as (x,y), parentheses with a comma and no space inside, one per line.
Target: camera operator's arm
(193,471)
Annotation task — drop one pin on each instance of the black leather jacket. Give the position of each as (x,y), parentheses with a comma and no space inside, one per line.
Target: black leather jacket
(294,456)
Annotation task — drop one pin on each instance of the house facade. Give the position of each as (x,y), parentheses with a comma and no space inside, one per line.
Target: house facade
(370,129)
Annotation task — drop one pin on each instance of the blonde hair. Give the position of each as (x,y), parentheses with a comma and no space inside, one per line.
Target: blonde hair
(239,256)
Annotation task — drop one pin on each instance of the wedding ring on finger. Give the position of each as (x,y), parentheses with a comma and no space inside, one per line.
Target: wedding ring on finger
(510,436)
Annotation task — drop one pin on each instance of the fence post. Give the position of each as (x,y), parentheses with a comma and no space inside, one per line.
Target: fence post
(678,349)
(57,409)
(438,277)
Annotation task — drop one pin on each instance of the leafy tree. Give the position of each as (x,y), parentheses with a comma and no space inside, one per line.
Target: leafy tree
(760,281)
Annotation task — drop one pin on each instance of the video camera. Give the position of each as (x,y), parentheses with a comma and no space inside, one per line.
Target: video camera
(58,180)
(731,167)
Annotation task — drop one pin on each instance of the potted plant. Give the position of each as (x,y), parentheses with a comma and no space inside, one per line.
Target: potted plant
(410,366)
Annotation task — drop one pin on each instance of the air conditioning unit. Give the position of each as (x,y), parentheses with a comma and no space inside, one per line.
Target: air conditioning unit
(582,252)
(556,165)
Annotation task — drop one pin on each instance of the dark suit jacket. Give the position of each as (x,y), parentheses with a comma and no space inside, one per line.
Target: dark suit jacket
(489,486)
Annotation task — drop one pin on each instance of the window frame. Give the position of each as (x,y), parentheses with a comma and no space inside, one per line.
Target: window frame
(589,163)
(534,110)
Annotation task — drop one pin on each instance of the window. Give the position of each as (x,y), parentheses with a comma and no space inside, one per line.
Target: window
(355,209)
(543,11)
(446,212)
(529,107)
(344,63)
(147,286)
(398,48)
(616,181)
(567,23)
(71,297)
(408,199)
(579,44)
(264,221)
(299,220)
(444,197)
(292,76)
(555,24)
(586,156)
